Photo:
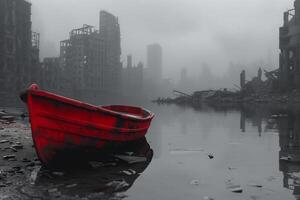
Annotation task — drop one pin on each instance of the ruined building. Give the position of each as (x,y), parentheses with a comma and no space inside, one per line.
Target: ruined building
(90,59)
(154,62)
(51,74)
(132,78)
(289,64)
(112,67)
(81,60)
(19,57)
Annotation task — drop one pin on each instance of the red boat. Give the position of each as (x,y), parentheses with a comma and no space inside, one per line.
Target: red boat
(59,123)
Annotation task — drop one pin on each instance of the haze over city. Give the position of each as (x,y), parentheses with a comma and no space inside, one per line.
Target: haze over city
(191,32)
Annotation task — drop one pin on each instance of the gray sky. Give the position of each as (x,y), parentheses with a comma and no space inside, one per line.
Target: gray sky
(191,32)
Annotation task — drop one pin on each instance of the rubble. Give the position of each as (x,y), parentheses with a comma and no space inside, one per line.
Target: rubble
(131,159)
(7,157)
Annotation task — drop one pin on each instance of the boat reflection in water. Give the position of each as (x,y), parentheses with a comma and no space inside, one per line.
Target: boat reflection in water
(103,176)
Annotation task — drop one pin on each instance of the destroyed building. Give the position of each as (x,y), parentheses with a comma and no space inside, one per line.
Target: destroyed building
(289,44)
(90,59)
(132,78)
(51,74)
(81,60)
(112,67)
(19,57)
(154,62)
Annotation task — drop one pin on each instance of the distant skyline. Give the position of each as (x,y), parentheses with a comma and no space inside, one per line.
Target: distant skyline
(191,32)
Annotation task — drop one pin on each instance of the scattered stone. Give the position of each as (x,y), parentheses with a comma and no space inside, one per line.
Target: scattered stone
(17,168)
(58,173)
(33,175)
(96,164)
(7,157)
(131,159)
(8,118)
(32,164)
(13,149)
(3,141)
(17,146)
(2,185)
(25,160)
(118,184)
(129,172)
(52,190)
(71,185)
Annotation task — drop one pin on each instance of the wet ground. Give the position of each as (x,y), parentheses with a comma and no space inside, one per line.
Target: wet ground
(246,152)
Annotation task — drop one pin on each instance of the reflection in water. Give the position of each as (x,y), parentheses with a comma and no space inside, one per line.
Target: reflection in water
(286,122)
(289,141)
(105,176)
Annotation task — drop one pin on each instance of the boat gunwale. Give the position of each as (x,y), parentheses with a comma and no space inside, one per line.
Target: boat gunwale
(87,106)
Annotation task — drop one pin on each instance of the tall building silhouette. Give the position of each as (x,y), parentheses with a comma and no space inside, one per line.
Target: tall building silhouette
(154,62)
(112,67)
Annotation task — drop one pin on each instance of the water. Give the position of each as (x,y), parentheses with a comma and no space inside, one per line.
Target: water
(246,143)
(200,153)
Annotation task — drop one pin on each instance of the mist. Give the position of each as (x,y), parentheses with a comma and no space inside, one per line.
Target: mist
(190,32)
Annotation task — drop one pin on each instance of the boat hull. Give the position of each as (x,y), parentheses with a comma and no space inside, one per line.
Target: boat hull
(60,123)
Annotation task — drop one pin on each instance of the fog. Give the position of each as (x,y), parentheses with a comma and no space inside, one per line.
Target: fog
(191,32)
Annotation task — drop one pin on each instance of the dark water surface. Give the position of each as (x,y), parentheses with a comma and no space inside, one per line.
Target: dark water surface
(246,144)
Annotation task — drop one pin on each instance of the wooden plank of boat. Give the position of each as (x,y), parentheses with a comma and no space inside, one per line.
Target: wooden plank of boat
(60,123)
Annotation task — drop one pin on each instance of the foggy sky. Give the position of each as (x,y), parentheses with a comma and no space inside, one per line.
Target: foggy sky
(191,32)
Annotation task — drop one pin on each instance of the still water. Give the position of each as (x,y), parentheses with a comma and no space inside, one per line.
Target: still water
(236,153)
(205,153)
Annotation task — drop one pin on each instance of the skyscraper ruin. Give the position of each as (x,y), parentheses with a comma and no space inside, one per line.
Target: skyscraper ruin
(289,44)
(19,57)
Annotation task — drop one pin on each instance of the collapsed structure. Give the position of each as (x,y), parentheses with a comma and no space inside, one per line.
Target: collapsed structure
(289,44)
(19,47)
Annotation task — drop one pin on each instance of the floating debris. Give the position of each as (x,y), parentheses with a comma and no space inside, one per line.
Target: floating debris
(235,189)
(185,151)
(207,198)
(9,157)
(210,156)
(195,182)
(4,141)
(131,159)
(256,185)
